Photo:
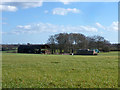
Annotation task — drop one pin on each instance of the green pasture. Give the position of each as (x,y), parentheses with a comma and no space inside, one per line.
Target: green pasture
(59,71)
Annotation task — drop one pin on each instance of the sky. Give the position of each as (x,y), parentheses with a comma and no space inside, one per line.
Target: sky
(28,22)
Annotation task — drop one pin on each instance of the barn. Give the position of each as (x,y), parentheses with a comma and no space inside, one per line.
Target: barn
(37,49)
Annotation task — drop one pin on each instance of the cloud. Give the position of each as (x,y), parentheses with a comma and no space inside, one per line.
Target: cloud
(24,27)
(68,1)
(65,2)
(53,28)
(8,8)
(63,11)
(100,26)
(30,4)
(112,27)
(14,6)
(47,27)
(35,3)
(89,28)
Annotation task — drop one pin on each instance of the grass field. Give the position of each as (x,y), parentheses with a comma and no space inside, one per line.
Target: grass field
(59,71)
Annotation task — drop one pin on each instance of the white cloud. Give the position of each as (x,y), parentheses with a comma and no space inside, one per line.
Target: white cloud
(63,11)
(31,4)
(100,26)
(24,27)
(65,2)
(68,1)
(89,28)
(61,0)
(47,27)
(8,8)
(112,27)
(14,6)
(51,28)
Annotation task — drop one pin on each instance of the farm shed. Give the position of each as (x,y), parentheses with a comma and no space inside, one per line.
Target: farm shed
(86,52)
(38,49)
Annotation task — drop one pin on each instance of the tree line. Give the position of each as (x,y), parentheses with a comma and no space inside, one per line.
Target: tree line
(68,42)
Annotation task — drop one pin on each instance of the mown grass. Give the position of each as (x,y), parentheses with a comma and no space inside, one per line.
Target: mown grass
(59,71)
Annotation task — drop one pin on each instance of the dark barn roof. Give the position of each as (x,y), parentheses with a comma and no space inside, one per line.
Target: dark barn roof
(35,46)
(32,48)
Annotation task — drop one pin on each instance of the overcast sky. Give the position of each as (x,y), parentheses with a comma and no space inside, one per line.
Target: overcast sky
(35,22)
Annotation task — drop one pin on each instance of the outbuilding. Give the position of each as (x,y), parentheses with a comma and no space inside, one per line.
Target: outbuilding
(31,48)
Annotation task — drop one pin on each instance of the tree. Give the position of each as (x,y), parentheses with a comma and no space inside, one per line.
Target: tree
(68,42)
(98,42)
(51,42)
